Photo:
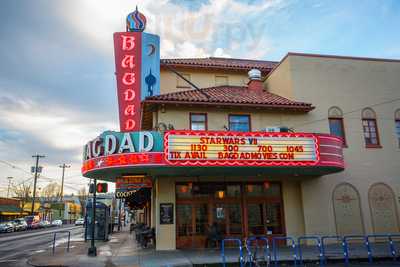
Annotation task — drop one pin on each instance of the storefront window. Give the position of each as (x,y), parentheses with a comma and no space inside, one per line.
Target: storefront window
(183,191)
(254,190)
(274,220)
(255,219)
(184,215)
(239,123)
(201,218)
(233,190)
(235,219)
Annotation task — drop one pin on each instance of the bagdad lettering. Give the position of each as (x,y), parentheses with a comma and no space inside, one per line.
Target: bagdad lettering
(109,144)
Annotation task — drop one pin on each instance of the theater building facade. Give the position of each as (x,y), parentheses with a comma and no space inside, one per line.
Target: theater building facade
(305,146)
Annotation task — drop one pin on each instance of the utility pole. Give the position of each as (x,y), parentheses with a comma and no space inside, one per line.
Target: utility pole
(9,184)
(62,180)
(37,156)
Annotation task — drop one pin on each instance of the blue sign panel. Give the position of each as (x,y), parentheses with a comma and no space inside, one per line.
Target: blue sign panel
(150,78)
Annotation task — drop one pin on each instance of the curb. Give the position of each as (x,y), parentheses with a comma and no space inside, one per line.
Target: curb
(34,265)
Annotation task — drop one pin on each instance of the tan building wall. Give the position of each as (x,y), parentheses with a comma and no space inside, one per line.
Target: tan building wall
(170,82)
(218,118)
(165,234)
(351,85)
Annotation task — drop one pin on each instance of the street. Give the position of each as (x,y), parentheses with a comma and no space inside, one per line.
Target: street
(15,248)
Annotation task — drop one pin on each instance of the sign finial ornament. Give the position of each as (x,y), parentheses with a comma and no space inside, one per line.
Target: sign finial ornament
(135,21)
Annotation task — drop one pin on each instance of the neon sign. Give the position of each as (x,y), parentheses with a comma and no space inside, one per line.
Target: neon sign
(137,66)
(240,149)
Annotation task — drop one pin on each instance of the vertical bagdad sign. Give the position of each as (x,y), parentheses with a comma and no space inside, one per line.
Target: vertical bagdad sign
(137,66)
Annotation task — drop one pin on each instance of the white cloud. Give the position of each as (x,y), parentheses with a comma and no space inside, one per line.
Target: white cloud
(219,52)
(59,127)
(182,31)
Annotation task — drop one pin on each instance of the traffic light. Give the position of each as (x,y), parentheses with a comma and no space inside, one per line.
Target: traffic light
(102,188)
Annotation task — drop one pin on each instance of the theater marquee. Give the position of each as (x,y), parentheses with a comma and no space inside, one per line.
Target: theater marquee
(240,149)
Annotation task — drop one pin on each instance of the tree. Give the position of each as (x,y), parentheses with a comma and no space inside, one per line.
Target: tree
(83,196)
(23,192)
(51,192)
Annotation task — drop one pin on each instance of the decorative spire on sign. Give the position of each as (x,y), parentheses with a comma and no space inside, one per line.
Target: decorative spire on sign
(135,21)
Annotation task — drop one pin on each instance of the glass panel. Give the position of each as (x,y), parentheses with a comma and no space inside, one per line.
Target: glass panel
(365,123)
(255,219)
(233,190)
(273,221)
(235,219)
(274,190)
(198,117)
(219,217)
(254,190)
(183,191)
(336,127)
(198,126)
(239,123)
(374,141)
(201,219)
(184,219)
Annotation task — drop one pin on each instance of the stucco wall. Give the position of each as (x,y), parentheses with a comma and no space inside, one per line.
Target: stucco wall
(351,85)
(218,118)
(165,234)
(280,82)
(201,78)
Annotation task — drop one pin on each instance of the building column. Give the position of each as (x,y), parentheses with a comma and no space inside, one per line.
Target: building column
(165,233)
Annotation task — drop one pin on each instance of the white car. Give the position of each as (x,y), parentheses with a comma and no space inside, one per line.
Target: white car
(56,223)
(80,222)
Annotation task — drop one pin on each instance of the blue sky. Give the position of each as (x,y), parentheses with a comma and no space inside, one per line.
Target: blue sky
(57,86)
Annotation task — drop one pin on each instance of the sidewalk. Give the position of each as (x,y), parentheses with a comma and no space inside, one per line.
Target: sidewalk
(123,251)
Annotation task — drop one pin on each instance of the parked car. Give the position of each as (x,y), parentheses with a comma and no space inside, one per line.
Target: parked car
(44,224)
(32,222)
(56,223)
(80,222)
(20,225)
(6,227)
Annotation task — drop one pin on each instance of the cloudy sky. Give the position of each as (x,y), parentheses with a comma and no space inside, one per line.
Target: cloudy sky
(57,85)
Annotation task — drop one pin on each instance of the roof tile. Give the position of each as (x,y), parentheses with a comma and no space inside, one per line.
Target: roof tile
(223,63)
(230,95)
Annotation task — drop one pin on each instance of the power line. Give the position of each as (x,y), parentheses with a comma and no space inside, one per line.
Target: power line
(346,113)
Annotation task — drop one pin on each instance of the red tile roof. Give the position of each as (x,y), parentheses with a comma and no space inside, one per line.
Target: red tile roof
(229,96)
(221,63)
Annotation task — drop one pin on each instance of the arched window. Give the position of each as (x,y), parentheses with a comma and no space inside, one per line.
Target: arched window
(397,123)
(336,125)
(370,128)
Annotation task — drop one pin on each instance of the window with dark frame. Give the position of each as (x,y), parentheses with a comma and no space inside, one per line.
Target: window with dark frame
(239,123)
(198,121)
(397,122)
(370,128)
(336,123)
(397,125)
(336,127)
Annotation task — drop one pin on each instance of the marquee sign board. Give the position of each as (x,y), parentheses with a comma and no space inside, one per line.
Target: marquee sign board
(134,182)
(210,148)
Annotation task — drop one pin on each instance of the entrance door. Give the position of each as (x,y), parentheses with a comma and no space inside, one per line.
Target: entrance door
(228,217)
(191,226)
